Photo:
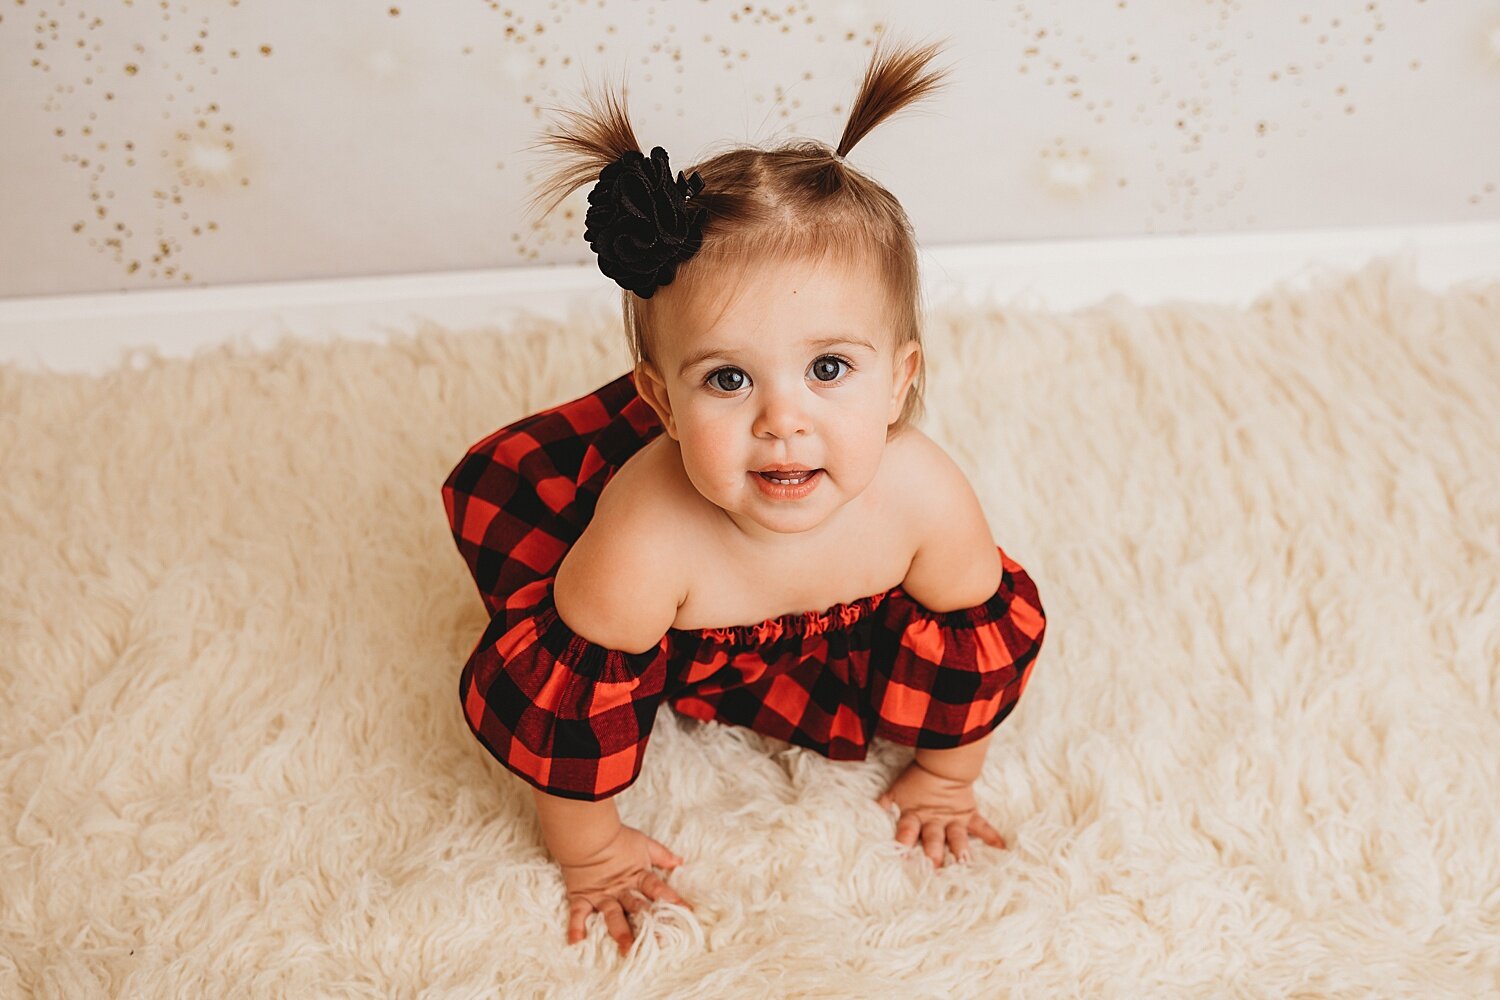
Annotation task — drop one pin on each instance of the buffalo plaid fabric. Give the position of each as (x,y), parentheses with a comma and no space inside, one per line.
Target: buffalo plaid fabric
(572,718)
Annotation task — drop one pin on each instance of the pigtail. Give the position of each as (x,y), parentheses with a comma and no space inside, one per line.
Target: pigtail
(588,141)
(893,81)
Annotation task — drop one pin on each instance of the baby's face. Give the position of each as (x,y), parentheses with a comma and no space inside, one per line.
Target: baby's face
(750,387)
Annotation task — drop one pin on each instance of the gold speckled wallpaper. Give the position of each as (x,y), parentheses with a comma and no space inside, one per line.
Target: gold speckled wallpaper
(156,144)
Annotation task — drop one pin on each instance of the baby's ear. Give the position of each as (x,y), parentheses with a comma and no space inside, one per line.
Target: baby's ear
(908,358)
(653,389)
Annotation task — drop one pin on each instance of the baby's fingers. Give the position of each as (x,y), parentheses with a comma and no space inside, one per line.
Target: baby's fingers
(578,915)
(616,922)
(958,840)
(634,900)
(656,887)
(907,829)
(933,841)
(978,824)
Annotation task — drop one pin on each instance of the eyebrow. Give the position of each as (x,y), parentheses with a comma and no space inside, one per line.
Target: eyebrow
(698,357)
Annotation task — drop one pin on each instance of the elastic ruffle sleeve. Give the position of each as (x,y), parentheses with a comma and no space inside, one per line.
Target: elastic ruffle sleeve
(945,679)
(569,716)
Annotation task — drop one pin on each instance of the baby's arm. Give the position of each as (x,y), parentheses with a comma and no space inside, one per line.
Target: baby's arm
(619,586)
(575,830)
(956,565)
(959,763)
(613,589)
(606,865)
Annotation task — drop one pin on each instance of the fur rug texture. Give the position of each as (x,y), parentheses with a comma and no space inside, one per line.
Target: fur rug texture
(1259,757)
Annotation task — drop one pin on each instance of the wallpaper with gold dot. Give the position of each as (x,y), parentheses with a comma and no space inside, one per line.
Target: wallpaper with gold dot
(156,144)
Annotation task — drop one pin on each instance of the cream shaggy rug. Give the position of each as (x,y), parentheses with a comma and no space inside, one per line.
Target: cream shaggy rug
(1260,755)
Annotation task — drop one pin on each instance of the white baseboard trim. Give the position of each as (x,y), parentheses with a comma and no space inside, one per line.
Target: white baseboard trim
(92,333)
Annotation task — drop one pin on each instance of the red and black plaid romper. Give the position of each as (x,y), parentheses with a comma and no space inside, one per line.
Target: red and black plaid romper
(573,718)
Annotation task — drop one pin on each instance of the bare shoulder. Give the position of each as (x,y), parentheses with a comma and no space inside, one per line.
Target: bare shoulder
(618,586)
(956,562)
(661,498)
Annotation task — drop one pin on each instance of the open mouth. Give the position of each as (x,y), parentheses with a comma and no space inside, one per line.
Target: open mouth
(788,478)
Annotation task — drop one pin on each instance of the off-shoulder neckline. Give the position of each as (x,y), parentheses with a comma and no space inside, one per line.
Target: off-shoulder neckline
(804,624)
(807,624)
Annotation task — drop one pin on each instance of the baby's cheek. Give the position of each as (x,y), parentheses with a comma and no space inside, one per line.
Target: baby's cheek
(711,471)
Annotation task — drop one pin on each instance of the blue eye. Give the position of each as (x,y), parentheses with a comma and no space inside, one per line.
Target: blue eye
(826,364)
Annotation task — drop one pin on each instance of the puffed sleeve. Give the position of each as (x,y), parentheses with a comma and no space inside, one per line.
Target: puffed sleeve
(569,716)
(944,679)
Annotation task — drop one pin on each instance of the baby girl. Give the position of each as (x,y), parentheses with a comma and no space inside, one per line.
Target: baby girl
(748,526)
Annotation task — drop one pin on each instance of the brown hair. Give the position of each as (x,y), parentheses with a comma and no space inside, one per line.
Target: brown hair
(793,201)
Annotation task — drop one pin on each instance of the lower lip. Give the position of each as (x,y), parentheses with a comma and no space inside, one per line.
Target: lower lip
(777,491)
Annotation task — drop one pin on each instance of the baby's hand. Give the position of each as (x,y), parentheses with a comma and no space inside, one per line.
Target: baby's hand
(619,880)
(937,807)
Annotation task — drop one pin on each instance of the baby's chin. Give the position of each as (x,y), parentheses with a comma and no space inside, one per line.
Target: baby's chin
(758,524)
(756,513)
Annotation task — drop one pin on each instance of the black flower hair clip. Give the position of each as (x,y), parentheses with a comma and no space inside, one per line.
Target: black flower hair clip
(641,223)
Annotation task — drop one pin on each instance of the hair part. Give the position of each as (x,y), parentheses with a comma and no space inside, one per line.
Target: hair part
(798,200)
